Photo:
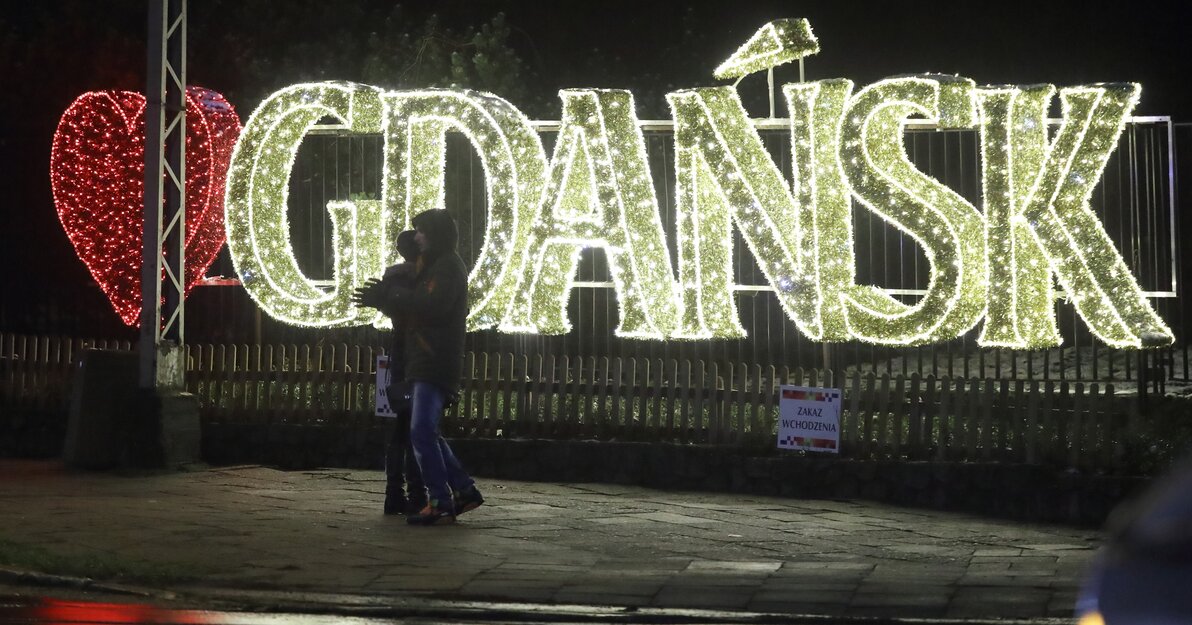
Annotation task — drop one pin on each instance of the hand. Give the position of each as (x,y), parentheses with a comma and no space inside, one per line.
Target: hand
(371,294)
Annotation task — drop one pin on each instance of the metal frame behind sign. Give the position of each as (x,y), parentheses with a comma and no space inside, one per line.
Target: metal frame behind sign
(162,271)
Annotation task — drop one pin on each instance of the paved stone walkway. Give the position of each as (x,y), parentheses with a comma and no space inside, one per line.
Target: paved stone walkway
(322,532)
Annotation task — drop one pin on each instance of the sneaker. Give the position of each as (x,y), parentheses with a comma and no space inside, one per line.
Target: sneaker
(432,515)
(414,506)
(396,504)
(467,500)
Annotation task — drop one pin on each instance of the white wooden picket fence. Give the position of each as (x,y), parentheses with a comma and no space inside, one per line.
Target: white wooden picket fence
(545,396)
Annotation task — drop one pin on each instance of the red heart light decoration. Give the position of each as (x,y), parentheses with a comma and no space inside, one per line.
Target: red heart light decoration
(97,167)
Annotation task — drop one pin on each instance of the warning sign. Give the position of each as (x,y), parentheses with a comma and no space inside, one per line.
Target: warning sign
(809,418)
(383,382)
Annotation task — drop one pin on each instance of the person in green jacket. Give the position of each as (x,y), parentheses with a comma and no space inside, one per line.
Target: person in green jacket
(435,311)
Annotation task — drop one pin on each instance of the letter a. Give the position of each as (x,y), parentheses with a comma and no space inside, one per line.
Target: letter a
(599,193)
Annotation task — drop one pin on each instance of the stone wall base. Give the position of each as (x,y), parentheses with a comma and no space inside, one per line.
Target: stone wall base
(113,423)
(1013,491)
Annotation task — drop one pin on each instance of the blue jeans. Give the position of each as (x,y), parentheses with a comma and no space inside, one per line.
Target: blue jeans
(441,470)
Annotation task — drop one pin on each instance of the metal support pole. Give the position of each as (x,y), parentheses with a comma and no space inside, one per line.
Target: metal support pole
(770,82)
(162,271)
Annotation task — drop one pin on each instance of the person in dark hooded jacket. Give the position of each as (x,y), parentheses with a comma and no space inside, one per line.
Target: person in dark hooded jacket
(435,311)
(404,491)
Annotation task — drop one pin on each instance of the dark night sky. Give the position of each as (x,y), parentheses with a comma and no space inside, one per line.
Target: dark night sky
(649,46)
(1064,43)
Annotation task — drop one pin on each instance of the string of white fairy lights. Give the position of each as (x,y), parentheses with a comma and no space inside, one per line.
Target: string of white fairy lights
(596,191)
(599,193)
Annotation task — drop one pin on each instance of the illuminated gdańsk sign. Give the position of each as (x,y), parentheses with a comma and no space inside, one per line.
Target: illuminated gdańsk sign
(994,264)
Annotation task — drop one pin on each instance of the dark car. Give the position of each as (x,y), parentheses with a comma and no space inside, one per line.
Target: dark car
(1144,573)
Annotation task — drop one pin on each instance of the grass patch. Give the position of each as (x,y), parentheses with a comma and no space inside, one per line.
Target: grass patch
(101,567)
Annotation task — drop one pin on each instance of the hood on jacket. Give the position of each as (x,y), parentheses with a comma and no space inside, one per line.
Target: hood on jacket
(442,236)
